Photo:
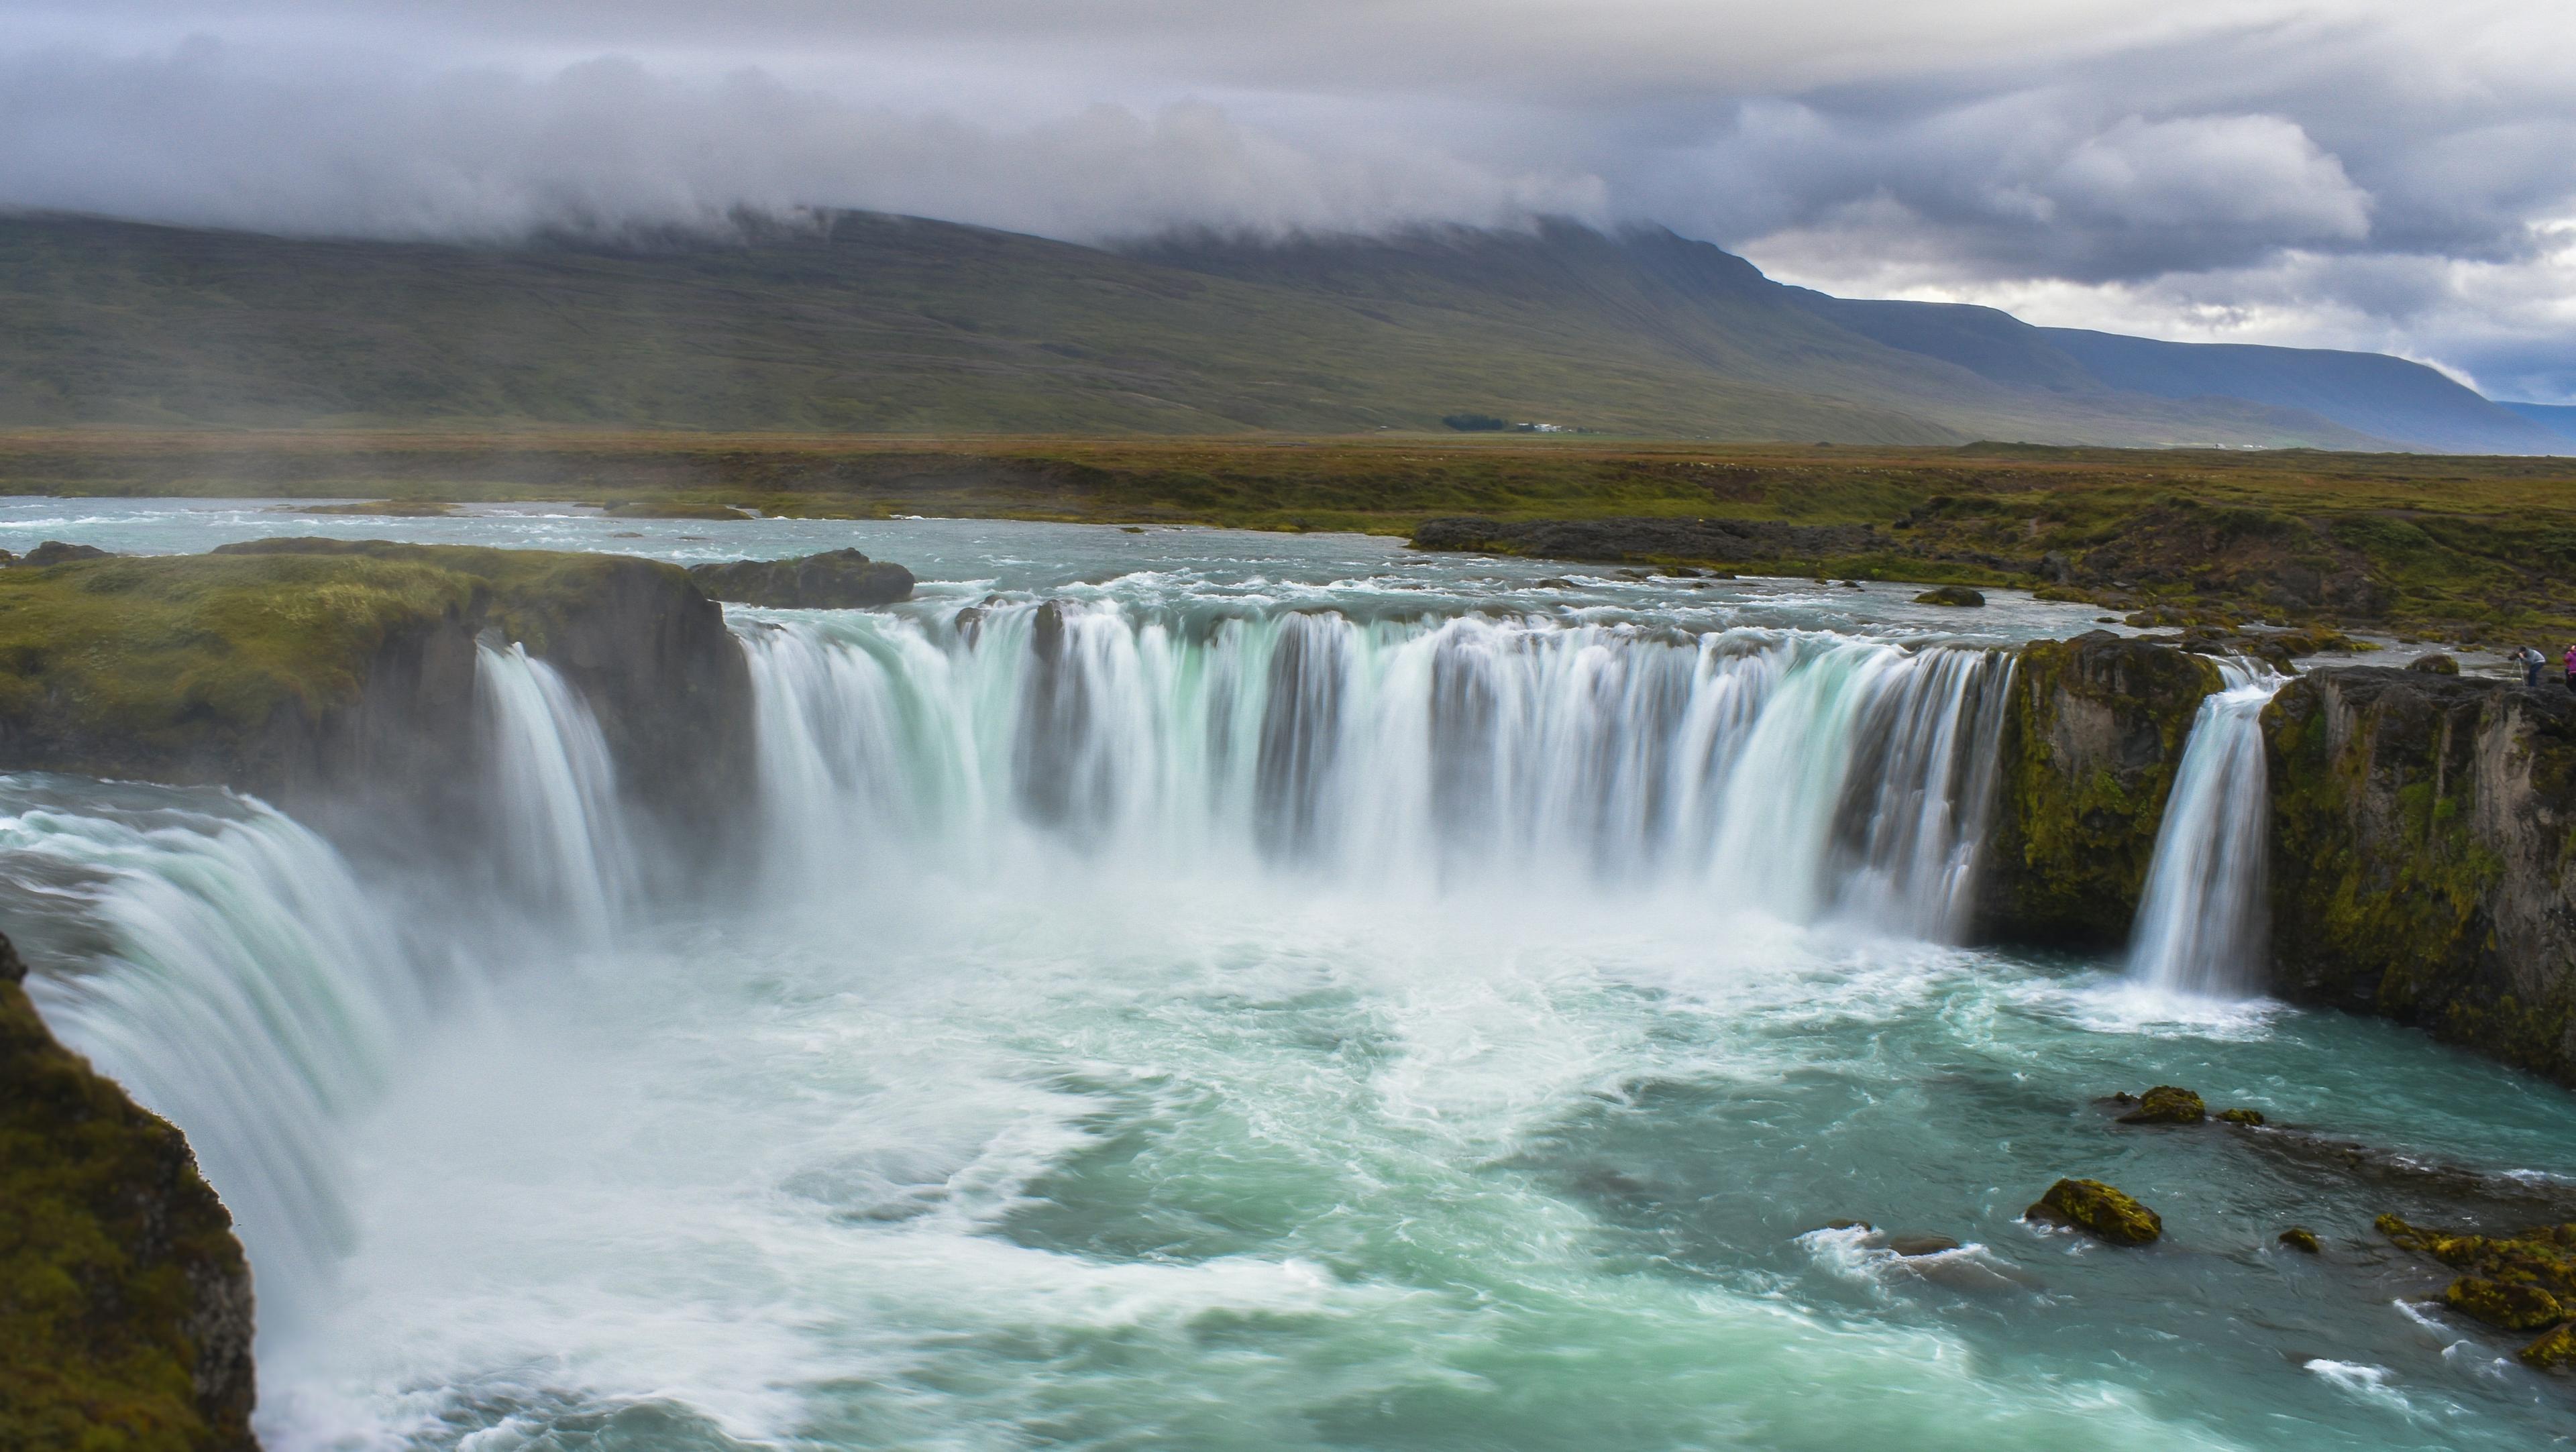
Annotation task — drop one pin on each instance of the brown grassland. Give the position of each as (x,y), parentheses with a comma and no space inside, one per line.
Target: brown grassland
(2467,549)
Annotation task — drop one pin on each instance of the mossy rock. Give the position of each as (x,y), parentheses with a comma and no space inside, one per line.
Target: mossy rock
(2248,1118)
(2423,828)
(1959,595)
(2100,1210)
(833,580)
(2301,1238)
(125,1302)
(2505,1305)
(303,669)
(2554,1350)
(2436,664)
(2093,730)
(2167,1104)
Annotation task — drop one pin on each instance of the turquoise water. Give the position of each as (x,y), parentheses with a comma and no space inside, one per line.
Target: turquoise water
(1122,1124)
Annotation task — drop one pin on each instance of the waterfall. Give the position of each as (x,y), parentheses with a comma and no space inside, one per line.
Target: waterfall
(220,962)
(564,847)
(1807,775)
(227,965)
(2202,922)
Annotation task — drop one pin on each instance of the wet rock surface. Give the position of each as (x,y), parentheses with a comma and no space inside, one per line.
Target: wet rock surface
(2524,1281)
(2100,1210)
(336,678)
(2423,854)
(1951,595)
(833,580)
(2167,1104)
(125,1301)
(2093,734)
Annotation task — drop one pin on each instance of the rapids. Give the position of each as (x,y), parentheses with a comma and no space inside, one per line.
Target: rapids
(1288,993)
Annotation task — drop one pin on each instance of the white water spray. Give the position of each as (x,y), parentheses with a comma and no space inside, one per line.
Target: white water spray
(565,844)
(1801,775)
(227,969)
(2202,921)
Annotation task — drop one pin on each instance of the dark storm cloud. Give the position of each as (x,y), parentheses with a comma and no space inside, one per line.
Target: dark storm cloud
(2331,171)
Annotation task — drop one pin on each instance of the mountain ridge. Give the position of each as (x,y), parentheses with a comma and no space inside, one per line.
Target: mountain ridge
(878,324)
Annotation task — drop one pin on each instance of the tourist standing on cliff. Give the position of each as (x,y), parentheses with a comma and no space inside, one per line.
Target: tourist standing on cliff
(2531,661)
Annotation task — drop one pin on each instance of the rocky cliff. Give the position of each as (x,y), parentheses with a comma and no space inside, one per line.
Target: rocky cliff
(2091,740)
(338,676)
(125,1303)
(2423,855)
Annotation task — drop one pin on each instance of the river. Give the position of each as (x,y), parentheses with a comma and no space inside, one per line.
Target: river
(1198,989)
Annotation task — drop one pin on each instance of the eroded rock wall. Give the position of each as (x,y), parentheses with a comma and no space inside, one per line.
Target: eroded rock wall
(2423,855)
(337,678)
(125,1301)
(2091,741)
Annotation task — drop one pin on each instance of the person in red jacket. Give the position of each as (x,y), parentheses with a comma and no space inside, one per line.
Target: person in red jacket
(2571,667)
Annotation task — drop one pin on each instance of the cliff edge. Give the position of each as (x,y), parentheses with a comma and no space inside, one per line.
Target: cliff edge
(125,1302)
(335,675)
(2423,855)
(2092,737)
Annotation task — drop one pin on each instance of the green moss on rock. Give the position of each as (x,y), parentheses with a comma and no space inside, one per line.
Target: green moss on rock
(2423,847)
(125,1306)
(303,667)
(2099,1210)
(2167,1104)
(2505,1305)
(2246,1118)
(2091,738)
(2300,1238)
(2552,1351)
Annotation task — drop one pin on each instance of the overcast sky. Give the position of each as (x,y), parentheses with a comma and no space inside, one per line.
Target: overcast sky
(2344,173)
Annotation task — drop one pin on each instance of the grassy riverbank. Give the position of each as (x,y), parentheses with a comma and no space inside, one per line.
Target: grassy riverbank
(2472,549)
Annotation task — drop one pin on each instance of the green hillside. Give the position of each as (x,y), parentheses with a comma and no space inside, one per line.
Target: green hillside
(892,325)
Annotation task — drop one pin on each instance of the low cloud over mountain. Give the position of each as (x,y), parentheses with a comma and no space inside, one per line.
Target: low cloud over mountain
(2324,172)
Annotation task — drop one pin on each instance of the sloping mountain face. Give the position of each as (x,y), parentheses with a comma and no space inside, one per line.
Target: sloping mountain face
(2406,403)
(2558,418)
(897,325)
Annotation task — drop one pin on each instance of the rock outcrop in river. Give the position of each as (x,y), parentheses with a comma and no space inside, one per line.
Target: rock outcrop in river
(833,580)
(125,1302)
(2090,745)
(2424,853)
(333,676)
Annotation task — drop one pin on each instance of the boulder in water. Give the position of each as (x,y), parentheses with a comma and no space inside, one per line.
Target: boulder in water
(2553,1350)
(125,1301)
(834,580)
(2505,1305)
(2436,664)
(2301,1238)
(2100,1210)
(1951,595)
(1914,1245)
(2248,1118)
(2167,1104)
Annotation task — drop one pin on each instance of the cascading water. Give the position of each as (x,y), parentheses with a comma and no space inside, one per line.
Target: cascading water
(565,848)
(1797,774)
(227,966)
(2201,921)
(222,963)
(1243,1019)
